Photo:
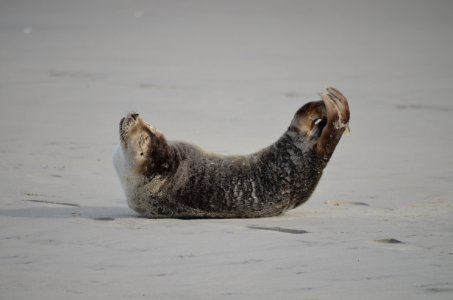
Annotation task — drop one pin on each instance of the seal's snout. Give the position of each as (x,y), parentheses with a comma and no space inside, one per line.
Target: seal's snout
(131,118)
(127,123)
(134,116)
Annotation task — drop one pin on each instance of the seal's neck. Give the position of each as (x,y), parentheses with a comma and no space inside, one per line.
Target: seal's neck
(299,148)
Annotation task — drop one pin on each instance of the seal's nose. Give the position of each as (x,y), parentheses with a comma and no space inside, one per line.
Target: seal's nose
(134,116)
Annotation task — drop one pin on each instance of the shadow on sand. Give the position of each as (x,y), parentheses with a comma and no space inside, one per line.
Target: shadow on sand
(89,212)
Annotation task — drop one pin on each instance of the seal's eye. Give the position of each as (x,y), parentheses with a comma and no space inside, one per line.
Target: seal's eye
(317,127)
(320,122)
(141,153)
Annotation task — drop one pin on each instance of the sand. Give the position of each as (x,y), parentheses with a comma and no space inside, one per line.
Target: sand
(228,76)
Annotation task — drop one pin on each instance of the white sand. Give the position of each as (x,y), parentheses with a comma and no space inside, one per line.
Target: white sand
(227,76)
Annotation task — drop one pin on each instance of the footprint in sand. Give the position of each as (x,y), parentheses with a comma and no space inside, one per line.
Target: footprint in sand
(389,241)
(395,244)
(47,179)
(103,219)
(345,203)
(280,229)
(435,288)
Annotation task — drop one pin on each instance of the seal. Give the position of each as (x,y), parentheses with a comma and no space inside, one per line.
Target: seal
(164,179)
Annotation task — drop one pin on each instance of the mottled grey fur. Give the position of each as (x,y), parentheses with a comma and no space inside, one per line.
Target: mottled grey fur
(181,180)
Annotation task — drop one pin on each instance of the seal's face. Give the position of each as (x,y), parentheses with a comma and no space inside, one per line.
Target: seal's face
(135,138)
(144,148)
(322,123)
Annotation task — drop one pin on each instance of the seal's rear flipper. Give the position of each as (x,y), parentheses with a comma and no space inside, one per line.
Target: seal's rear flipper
(338,115)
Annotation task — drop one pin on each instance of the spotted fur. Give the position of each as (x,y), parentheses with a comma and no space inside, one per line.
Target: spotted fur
(176,179)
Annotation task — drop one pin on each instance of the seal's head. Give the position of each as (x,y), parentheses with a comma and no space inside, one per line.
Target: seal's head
(144,147)
(322,123)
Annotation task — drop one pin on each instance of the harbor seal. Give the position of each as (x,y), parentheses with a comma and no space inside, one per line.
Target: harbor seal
(164,179)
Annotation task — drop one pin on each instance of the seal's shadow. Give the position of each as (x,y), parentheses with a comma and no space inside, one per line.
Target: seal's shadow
(89,212)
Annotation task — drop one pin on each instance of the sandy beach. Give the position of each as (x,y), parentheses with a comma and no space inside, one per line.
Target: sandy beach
(227,76)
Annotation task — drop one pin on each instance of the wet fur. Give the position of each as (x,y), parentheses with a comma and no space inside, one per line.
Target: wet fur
(176,179)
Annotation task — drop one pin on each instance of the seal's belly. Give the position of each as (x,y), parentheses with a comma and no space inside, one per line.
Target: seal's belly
(220,188)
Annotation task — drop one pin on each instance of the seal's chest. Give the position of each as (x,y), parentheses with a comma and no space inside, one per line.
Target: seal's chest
(129,180)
